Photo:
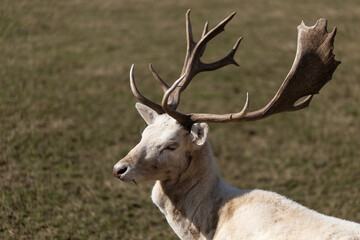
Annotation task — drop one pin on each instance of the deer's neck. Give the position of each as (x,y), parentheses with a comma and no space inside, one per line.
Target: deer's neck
(191,201)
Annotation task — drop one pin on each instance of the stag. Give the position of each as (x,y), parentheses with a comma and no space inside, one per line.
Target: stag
(174,150)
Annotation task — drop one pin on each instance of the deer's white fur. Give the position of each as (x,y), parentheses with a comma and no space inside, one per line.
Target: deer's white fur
(198,204)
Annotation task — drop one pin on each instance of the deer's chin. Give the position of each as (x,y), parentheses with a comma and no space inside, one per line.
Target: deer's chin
(131,180)
(128,178)
(140,179)
(132,177)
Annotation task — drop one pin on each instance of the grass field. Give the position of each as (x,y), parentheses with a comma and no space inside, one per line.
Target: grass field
(67,114)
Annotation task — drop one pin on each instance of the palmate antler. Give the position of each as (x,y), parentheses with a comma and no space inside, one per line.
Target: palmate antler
(313,67)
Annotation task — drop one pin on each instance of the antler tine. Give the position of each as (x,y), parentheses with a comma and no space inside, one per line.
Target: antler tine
(190,43)
(192,63)
(205,31)
(222,118)
(163,85)
(140,97)
(228,59)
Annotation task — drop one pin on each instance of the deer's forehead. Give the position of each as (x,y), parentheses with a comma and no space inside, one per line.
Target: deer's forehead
(165,129)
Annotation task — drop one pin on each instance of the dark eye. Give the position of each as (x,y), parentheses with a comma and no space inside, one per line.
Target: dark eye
(171,147)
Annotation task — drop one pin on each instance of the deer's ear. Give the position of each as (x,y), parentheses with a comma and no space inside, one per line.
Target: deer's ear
(146,113)
(199,133)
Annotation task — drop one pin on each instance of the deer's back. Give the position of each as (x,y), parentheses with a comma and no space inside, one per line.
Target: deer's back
(266,215)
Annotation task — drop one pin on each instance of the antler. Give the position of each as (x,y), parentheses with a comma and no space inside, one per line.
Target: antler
(192,64)
(163,85)
(313,67)
(143,99)
(140,97)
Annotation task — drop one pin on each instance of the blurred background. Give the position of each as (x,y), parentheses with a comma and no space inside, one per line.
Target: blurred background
(67,114)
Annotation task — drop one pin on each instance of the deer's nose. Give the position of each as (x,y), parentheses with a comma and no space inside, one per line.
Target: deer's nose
(119,170)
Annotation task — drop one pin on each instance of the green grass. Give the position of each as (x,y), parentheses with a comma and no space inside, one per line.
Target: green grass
(67,114)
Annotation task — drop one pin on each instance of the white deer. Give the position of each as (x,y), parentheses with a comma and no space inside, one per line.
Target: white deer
(174,151)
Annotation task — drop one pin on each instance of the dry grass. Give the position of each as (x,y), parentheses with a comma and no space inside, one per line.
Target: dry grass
(67,115)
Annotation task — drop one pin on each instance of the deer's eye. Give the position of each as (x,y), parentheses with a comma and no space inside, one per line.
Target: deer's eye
(171,147)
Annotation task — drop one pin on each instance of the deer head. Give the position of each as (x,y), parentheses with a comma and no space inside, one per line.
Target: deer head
(164,148)
(172,135)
